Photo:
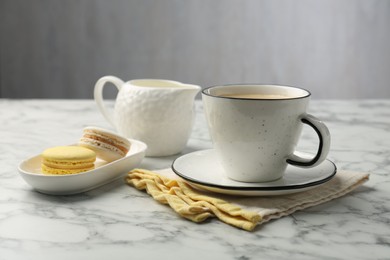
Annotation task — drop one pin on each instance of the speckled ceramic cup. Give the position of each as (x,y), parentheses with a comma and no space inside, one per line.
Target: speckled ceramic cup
(255,129)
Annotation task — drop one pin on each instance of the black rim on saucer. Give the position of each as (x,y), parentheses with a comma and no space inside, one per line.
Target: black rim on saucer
(256,188)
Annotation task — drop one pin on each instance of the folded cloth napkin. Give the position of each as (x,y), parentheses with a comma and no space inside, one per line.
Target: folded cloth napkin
(242,212)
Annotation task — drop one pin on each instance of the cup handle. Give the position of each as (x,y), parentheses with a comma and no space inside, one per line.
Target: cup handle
(323,148)
(98,94)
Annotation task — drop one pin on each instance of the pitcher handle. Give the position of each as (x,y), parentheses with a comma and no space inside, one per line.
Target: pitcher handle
(323,147)
(98,94)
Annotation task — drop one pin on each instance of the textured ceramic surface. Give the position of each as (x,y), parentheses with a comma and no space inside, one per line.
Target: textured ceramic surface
(157,112)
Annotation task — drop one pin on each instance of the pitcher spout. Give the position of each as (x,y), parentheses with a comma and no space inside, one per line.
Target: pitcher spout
(191,89)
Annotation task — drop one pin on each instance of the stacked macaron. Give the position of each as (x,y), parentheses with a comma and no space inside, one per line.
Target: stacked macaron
(95,142)
(108,145)
(62,160)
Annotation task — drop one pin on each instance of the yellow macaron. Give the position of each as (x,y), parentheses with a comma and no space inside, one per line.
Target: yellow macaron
(64,160)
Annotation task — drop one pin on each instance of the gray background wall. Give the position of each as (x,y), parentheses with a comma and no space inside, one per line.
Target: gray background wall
(59,48)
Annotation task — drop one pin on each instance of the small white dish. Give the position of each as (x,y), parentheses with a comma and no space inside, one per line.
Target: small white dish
(203,171)
(103,173)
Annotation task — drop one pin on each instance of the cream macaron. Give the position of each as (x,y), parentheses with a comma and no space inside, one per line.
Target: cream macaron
(107,145)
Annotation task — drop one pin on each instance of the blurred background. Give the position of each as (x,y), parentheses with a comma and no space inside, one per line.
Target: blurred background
(59,49)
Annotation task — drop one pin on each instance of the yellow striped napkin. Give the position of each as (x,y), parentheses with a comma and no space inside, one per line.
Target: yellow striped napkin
(242,212)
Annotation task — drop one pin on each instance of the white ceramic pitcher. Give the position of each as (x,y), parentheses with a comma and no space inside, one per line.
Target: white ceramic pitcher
(157,112)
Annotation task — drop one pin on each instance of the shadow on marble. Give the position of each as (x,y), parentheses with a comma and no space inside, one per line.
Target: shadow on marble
(110,187)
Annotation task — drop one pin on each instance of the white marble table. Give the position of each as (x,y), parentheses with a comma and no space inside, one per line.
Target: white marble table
(117,221)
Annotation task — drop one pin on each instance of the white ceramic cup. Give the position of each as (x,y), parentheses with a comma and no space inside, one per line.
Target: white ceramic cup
(255,138)
(157,112)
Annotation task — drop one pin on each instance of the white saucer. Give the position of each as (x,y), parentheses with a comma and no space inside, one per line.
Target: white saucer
(103,173)
(202,170)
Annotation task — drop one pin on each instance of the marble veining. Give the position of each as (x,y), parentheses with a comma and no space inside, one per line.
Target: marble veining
(119,222)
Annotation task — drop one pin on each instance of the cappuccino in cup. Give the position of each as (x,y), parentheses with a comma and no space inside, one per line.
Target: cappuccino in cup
(255,129)
(255,96)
